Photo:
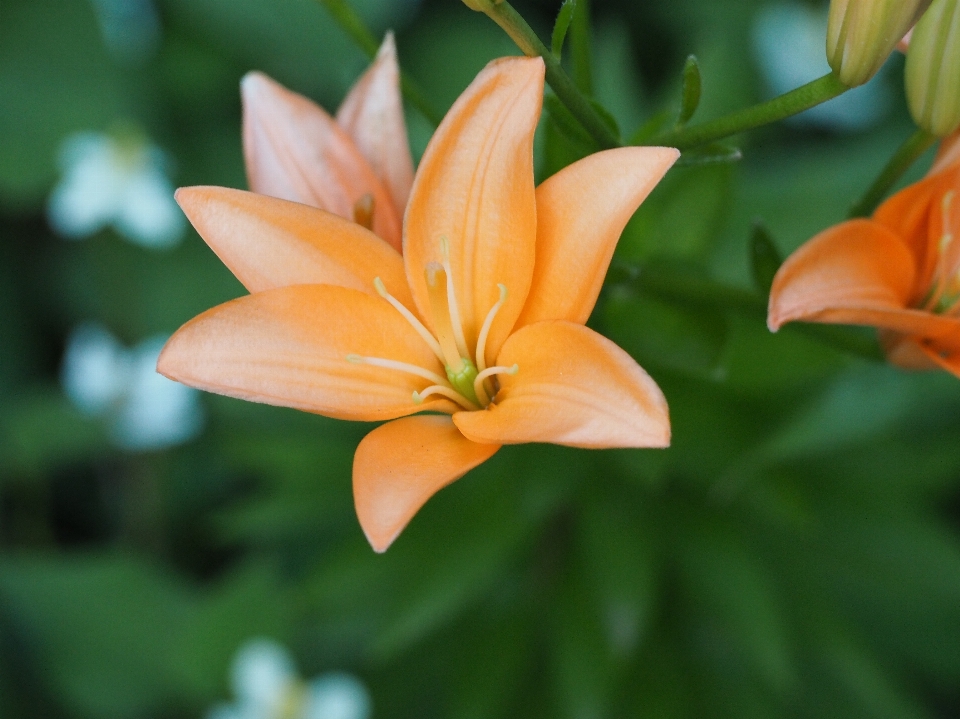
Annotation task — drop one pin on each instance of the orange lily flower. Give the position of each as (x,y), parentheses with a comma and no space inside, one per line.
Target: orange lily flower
(357,166)
(480,322)
(898,271)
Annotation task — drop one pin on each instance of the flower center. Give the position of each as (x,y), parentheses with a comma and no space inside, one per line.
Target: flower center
(469,382)
(944,295)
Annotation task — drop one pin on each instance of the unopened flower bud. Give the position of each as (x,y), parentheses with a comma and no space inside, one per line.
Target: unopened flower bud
(481,5)
(933,69)
(862,33)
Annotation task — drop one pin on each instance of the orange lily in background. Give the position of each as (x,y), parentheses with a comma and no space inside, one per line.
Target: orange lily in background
(357,166)
(480,322)
(898,271)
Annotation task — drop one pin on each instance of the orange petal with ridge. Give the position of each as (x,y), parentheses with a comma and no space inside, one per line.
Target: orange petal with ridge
(856,273)
(269,243)
(475,187)
(289,347)
(401,464)
(574,387)
(295,151)
(581,212)
(372,115)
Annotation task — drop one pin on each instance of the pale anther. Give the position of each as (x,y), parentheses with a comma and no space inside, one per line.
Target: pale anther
(363,211)
(409,317)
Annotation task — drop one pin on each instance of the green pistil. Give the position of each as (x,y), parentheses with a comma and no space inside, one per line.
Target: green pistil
(462,381)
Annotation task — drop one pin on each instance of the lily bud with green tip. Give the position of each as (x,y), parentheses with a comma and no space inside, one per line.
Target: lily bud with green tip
(481,5)
(861,35)
(933,69)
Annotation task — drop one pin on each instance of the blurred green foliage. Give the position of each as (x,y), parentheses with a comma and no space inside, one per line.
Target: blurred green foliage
(795,553)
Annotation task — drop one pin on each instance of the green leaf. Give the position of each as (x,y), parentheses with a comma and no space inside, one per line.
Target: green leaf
(690,90)
(665,333)
(561,26)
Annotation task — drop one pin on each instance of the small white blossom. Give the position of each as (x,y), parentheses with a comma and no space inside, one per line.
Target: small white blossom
(266,686)
(116,182)
(143,409)
(789,41)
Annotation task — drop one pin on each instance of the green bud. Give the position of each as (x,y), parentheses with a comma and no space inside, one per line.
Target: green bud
(481,5)
(933,69)
(862,33)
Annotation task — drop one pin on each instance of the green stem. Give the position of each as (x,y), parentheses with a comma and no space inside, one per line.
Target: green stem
(580,48)
(526,39)
(354,26)
(908,153)
(779,108)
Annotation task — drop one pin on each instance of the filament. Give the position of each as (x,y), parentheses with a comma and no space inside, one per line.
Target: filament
(409,317)
(489,372)
(485,330)
(452,299)
(439,304)
(395,365)
(447,392)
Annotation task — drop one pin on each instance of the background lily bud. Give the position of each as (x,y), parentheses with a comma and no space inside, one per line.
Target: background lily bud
(933,69)
(481,5)
(862,33)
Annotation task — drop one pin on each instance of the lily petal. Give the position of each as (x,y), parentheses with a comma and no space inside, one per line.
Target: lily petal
(269,243)
(401,464)
(574,387)
(905,352)
(581,212)
(475,188)
(372,115)
(950,361)
(296,151)
(289,347)
(948,155)
(906,214)
(857,273)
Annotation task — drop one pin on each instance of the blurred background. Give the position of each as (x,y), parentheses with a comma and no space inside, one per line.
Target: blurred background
(795,553)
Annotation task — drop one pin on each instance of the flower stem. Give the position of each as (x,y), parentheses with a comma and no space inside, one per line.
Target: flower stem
(580,48)
(354,26)
(779,108)
(908,153)
(526,39)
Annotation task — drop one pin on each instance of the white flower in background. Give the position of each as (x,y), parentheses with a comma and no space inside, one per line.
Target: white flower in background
(789,43)
(117,181)
(266,686)
(130,28)
(144,410)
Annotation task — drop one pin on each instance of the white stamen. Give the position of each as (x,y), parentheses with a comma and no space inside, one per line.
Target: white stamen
(485,330)
(489,372)
(452,299)
(395,365)
(409,317)
(447,392)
